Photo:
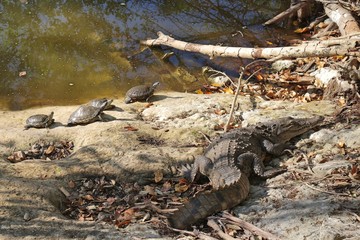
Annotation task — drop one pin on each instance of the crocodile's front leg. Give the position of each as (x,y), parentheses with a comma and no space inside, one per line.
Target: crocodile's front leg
(252,163)
(274,149)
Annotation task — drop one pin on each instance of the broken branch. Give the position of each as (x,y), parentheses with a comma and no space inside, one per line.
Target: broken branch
(211,223)
(249,226)
(307,49)
(286,13)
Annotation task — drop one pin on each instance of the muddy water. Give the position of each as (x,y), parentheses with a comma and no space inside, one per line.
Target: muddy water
(67,52)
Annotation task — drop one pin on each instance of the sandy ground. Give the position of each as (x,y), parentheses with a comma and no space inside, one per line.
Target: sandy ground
(289,209)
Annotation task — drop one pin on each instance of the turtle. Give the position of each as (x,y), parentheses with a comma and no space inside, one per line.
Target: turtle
(140,93)
(39,121)
(99,102)
(86,114)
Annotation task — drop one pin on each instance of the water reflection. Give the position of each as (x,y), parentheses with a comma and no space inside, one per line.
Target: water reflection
(73,51)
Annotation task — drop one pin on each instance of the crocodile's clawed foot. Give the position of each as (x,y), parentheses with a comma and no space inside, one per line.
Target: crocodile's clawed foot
(184,171)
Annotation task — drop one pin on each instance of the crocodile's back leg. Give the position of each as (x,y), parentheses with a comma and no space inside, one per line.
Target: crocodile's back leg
(211,202)
(202,165)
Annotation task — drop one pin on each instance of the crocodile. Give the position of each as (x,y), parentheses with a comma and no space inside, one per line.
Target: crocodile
(229,161)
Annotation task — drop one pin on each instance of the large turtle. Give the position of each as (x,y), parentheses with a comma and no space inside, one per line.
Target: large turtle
(86,114)
(39,121)
(140,93)
(99,103)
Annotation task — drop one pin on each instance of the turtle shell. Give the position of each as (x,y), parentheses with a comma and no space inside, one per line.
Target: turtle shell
(140,93)
(39,121)
(85,114)
(99,103)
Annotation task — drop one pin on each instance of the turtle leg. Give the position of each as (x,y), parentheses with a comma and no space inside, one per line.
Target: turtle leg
(48,124)
(148,98)
(100,118)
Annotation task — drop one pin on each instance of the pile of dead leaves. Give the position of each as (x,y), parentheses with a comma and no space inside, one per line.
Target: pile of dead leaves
(103,199)
(106,200)
(43,150)
(295,83)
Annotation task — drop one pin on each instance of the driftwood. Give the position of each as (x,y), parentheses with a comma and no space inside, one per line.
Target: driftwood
(342,17)
(211,223)
(252,228)
(343,46)
(296,7)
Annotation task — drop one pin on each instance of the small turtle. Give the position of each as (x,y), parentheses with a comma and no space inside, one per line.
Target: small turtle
(39,121)
(140,93)
(86,114)
(99,103)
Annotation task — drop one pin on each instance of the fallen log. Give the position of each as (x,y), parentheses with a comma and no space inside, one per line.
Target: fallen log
(342,17)
(335,47)
(294,8)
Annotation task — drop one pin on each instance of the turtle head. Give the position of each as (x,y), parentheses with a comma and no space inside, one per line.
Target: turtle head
(128,100)
(155,84)
(51,115)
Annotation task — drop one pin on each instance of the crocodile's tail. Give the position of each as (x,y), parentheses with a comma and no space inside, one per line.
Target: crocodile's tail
(207,203)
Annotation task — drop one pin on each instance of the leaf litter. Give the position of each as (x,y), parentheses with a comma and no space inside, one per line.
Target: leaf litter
(293,84)
(45,150)
(104,199)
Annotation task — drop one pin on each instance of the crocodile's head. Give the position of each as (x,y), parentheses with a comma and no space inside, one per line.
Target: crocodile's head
(284,129)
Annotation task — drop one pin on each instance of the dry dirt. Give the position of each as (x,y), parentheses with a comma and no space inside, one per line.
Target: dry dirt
(295,205)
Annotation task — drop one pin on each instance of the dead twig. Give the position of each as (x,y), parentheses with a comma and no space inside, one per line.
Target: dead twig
(65,192)
(323,191)
(355,215)
(306,158)
(154,208)
(238,90)
(234,101)
(252,228)
(286,13)
(205,136)
(211,223)
(193,233)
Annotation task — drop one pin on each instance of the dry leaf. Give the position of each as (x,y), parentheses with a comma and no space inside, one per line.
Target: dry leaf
(217,85)
(158,175)
(181,187)
(111,200)
(71,184)
(259,77)
(148,105)
(88,197)
(50,149)
(301,30)
(341,144)
(199,91)
(354,172)
(228,90)
(91,207)
(220,111)
(130,128)
(342,101)
(183,181)
(124,218)
(129,213)
(150,190)
(166,186)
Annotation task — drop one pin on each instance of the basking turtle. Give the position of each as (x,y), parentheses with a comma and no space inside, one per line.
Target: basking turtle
(99,103)
(86,114)
(140,93)
(39,121)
